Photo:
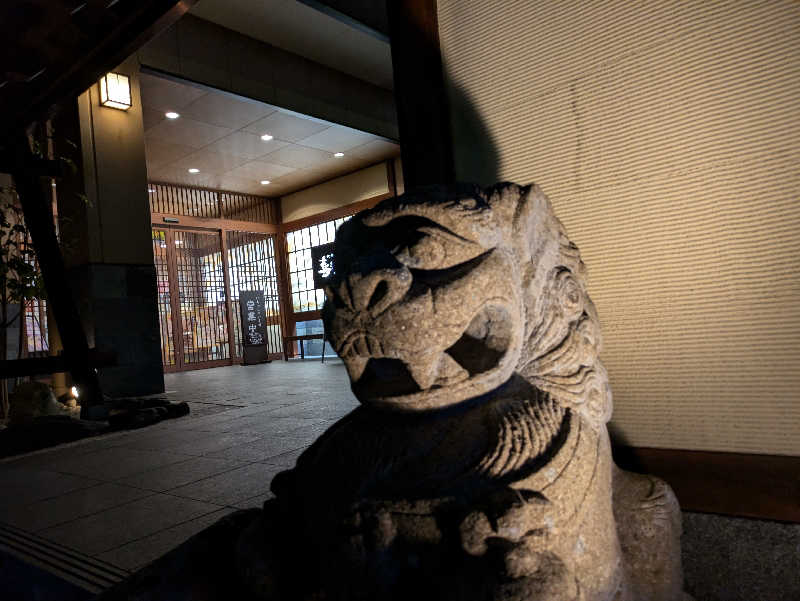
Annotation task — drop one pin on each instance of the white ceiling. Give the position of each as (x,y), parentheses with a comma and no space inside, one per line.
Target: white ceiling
(220,134)
(298,28)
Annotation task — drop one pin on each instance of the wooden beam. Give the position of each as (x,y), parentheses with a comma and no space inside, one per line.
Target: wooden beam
(174,299)
(165,219)
(738,484)
(228,304)
(420,93)
(282,274)
(336,213)
(35,366)
(307,315)
(57,51)
(35,167)
(391,177)
(37,209)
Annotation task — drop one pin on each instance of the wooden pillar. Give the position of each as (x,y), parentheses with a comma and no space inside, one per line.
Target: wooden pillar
(420,93)
(391,177)
(226,278)
(174,297)
(37,208)
(284,298)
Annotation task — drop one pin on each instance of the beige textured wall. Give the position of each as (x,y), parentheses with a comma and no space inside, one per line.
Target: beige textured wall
(667,135)
(335,193)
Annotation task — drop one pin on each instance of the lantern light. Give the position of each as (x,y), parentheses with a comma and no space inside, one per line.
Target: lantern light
(115,91)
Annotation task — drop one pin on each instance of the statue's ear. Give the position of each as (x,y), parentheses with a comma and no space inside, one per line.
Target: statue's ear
(508,203)
(504,197)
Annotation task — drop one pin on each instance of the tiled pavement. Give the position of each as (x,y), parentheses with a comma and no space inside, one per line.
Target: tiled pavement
(129,497)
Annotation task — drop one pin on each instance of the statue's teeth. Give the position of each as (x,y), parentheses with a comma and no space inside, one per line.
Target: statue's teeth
(441,370)
(450,371)
(355,364)
(424,373)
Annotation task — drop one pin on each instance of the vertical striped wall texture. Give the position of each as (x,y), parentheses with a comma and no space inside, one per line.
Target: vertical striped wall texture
(667,135)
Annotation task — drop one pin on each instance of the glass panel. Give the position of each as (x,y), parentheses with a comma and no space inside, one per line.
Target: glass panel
(201,293)
(36,326)
(164,306)
(251,265)
(301,281)
(313,348)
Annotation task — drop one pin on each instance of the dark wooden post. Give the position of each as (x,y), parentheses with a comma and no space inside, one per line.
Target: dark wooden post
(174,297)
(37,208)
(282,273)
(420,93)
(226,278)
(391,177)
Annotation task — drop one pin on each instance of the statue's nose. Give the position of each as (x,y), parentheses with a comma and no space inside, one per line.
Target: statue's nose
(377,290)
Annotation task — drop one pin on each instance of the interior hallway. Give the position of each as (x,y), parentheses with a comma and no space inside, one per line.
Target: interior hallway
(127,498)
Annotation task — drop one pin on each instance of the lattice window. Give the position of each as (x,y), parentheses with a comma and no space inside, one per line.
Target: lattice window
(251,266)
(36,326)
(301,279)
(199,202)
(200,284)
(164,305)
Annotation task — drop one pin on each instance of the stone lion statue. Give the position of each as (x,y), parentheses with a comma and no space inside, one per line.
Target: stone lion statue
(478,466)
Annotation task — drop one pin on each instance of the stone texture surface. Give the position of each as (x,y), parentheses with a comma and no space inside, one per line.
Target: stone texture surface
(478,466)
(737,559)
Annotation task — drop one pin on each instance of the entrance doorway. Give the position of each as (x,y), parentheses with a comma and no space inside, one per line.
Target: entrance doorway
(201,272)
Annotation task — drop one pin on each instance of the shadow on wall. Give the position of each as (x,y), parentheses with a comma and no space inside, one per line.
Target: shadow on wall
(724,558)
(474,150)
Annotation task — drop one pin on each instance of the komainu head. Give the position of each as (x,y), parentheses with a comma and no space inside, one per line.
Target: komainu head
(441,296)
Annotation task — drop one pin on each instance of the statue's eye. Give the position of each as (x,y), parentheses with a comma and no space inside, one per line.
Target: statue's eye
(431,248)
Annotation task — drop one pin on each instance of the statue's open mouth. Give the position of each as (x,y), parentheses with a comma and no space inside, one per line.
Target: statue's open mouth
(470,365)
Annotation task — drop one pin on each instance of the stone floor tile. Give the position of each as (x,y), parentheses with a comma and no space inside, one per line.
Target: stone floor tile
(231,487)
(254,502)
(305,435)
(22,486)
(262,449)
(138,553)
(271,413)
(209,442)
(286,460)
(113,463)
(70,506)
(158,440)
(120,525)
(179,474)
(267,425)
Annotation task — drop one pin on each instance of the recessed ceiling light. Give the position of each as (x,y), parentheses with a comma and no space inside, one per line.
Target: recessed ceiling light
(171,115)
(194,170)
(266,137)
(338,154)
(264,182)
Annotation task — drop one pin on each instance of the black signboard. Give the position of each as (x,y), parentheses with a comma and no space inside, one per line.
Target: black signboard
(254,326)
(322,263)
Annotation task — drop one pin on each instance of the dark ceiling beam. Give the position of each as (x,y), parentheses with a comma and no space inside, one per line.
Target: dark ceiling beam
(332,9)
(54,50)
(367,15)
(420,92)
